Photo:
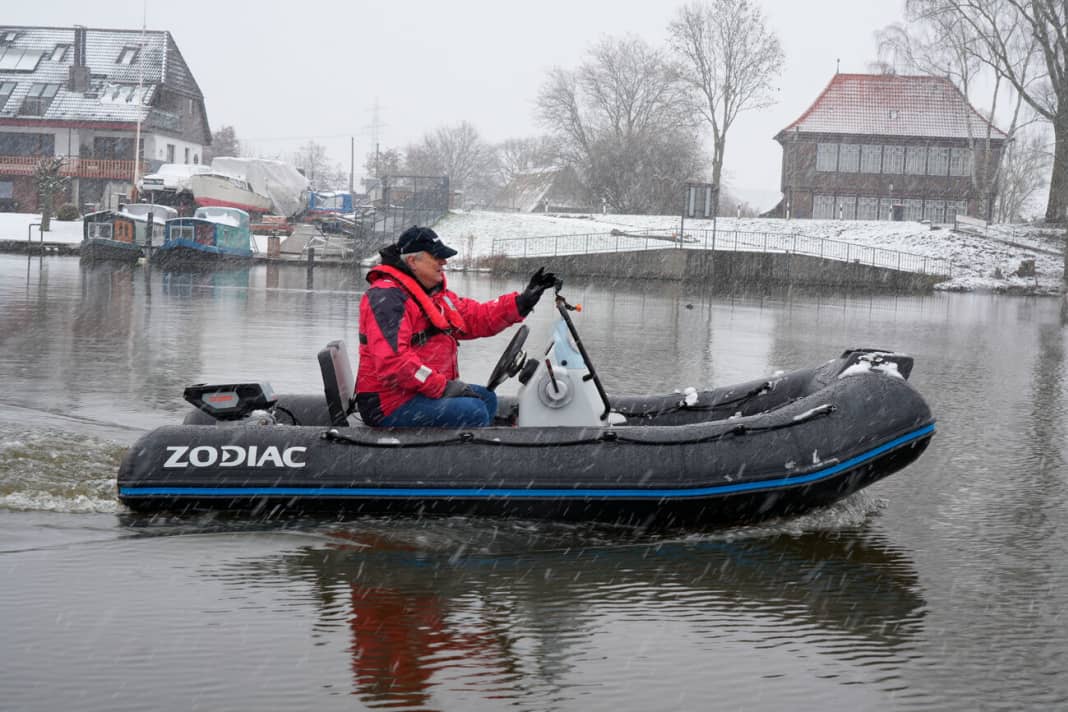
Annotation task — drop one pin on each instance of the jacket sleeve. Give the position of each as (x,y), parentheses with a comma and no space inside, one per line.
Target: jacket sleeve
(487,318)
(386,318)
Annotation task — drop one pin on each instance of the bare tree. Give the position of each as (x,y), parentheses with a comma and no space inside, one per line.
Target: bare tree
(322,174)
(455,151)
(48,181)
(1023,175)
(730,58)
(384,163)
(624,121)
(516,155)
(1026,43)
(938,44)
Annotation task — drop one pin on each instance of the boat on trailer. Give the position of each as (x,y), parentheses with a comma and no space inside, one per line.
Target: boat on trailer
(560,449)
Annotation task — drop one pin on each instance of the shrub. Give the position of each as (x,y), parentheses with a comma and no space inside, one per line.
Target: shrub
(68,212)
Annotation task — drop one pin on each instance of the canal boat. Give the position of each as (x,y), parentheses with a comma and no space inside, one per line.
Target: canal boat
(560,449)
(121,235)
(212,235)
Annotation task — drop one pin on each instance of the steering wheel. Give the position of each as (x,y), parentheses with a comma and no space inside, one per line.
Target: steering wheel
(511,360)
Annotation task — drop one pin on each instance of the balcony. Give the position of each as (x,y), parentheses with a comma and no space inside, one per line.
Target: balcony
(74,167)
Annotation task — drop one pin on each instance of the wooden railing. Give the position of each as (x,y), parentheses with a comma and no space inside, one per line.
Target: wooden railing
(73,166)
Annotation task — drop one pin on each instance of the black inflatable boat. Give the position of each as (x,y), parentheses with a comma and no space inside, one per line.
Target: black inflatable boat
(561,449)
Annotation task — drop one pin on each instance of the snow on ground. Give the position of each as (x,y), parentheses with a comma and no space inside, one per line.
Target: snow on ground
(14,226)
(979,263)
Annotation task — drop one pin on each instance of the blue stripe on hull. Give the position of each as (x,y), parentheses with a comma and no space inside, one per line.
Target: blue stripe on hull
(511,493)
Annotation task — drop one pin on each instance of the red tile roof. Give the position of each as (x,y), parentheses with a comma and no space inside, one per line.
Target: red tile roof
(891,105)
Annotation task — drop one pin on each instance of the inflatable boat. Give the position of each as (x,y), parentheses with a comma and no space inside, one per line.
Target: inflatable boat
(562,448)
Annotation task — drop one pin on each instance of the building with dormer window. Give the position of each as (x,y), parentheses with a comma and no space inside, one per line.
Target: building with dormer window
(85,94)
(887,147)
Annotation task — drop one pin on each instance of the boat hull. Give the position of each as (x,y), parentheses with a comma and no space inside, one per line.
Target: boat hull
(665,466)
(99,249)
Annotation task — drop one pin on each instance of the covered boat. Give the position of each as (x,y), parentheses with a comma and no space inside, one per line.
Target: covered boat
(211,235)
(562,448)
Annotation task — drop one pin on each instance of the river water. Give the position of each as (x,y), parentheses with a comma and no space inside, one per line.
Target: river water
(942,587)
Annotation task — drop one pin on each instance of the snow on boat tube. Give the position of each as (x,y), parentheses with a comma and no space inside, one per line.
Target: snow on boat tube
(561,449)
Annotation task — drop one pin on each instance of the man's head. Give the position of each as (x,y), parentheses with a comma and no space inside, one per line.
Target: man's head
(425,254)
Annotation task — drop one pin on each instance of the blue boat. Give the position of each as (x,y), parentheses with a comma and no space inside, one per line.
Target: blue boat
(213,234)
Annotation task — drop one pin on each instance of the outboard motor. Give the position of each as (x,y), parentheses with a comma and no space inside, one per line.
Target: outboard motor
(233,401)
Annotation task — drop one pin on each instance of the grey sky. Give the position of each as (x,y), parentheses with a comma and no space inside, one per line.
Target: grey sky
(284,72)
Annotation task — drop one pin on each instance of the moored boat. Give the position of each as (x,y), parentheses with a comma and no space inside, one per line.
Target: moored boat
(211,235)
(227,191)
(561,449)
(109,236)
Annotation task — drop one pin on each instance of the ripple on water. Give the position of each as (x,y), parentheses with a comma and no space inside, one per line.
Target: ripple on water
(48,470)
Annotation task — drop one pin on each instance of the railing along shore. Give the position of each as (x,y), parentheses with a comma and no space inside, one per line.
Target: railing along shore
(722,240)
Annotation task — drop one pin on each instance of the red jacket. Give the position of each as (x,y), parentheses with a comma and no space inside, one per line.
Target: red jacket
(408,338)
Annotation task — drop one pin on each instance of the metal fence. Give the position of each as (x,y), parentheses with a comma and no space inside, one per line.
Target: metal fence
(728,241)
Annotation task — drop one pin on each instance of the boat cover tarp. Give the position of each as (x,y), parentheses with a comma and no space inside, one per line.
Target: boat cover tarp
(277,180)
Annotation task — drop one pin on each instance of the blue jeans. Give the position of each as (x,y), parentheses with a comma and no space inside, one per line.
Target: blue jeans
(464,412)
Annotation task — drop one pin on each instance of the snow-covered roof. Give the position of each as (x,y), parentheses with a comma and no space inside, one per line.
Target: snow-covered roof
(113,86)
(892,105)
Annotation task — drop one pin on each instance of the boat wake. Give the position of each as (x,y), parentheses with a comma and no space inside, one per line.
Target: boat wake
(57,471)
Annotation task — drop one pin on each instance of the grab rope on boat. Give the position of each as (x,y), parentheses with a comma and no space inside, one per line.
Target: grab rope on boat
(466,437)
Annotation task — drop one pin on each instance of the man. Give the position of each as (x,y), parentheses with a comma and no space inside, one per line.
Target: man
(410,324)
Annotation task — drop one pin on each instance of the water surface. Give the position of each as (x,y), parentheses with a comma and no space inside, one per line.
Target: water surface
(942,587)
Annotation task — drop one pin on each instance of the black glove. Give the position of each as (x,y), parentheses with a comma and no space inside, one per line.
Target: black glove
(458,389)
(539,282)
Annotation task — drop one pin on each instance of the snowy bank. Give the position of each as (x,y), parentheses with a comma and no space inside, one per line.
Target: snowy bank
(979,263)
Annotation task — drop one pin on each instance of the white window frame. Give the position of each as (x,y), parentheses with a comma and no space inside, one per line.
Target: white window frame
(823,207)
(915,160)
(849,158)
(960,161)
(938,161)
(867,208)
(826,157)
(871,158)
(128,55)
(894,160)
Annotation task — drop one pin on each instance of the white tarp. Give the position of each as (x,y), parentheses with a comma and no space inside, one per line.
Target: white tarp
(279,181)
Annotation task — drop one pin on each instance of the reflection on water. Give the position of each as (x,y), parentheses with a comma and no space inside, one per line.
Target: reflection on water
(942,587)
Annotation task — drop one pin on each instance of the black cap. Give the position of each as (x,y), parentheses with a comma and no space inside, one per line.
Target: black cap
(423,239)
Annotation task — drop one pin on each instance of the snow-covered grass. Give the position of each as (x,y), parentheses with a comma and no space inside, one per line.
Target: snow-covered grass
(15,226)
(979,263)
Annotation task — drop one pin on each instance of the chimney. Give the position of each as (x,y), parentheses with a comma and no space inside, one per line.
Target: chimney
(79,72)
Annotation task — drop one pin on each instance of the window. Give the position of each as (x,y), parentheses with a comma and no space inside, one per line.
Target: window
(196,159)
(827,157)
(894,159)
(59,54)
(183,232)
(38,99)
(170,153)
(916,160)
(886,209)
(5,92)
(20,60)
(823,207)
(187,154)
(27,144)
(8,36)
(955,208)
(960,161)
(871,159)
(913,209)
(867,208)
(845,207)
(848,158)
(937,161)
(128,55)
(7,190)
(100,229)
(935,211)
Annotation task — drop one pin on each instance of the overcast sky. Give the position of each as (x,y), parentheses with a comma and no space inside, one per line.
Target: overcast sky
(285,72)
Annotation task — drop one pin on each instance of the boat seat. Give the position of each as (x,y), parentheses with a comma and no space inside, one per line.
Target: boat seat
(339,386)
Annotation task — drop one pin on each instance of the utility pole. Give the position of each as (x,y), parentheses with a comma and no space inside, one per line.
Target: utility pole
(352,163)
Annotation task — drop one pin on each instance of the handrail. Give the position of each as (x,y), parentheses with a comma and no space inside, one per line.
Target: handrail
(724,241)
(73,166)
